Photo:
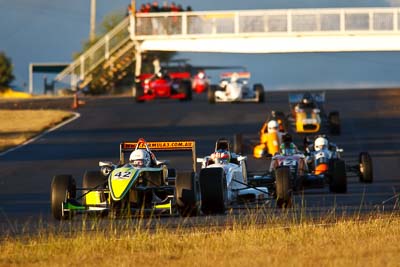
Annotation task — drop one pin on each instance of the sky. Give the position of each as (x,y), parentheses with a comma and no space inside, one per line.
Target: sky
(52,30)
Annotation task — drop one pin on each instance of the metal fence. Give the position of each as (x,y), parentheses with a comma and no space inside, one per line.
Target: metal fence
(268,22)
(242,23)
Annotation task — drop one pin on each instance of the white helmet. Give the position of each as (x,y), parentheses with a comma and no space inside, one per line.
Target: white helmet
(140,158)
(223,83)
(320,143)
(273,126)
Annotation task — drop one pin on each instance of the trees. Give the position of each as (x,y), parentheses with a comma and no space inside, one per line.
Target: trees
(6,70)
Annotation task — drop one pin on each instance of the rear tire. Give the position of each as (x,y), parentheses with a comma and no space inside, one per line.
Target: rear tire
(283,188)
(366,171)
(334,123)
(186,194)
(211,94)
(213,190)
(63,187)
(338,182)
(238,143)
(259,89)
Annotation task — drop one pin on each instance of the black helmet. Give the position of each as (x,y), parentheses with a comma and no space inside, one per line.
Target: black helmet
(287,138)
(307,98)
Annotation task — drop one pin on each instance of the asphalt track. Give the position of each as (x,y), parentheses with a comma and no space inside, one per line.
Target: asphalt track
(370,122)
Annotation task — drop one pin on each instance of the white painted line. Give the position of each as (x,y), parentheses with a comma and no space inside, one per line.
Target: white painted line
(76,116)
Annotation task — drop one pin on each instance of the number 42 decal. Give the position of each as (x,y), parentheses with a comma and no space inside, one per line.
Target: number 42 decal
(123,175)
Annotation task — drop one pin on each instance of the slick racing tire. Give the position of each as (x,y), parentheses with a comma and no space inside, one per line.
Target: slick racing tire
(334,123)
(63,187)
(139,92)
(283,188)
(259,90)
(186,191)
(213,190)
(338,183)
(211,94)
(366,172)
(186,88)
(94,180)
(238,143)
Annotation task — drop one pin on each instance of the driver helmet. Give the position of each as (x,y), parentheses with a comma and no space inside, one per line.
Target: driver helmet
(201,74)
(140,158)
(234,77)
(222,156)
(223,83)
(307,98)
(273,126)
(321,143)
(288,148)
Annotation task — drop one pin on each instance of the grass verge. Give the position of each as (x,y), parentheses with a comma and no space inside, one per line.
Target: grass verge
(18,126)
(369,242)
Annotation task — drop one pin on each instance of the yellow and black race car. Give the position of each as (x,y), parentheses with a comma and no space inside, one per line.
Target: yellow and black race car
(127,189)
(308,115)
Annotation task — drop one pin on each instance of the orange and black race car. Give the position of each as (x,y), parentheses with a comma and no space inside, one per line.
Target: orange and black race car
(270,140)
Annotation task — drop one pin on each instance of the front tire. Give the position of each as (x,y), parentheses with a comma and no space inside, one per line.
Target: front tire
(213,190)
(283,188)
(63,187)
(211,94)
(259,89)
(139,92)
(186,88)
(338,183)
(366,172)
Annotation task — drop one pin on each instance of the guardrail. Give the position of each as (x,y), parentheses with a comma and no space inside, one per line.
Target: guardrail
(289,22)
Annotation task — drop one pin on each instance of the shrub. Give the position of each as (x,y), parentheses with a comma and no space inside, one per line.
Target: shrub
(6,70)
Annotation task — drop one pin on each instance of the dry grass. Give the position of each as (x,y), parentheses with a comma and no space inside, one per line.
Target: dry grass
(18,126)
(372,242)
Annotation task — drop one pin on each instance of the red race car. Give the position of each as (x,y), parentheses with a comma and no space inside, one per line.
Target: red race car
(200,82)
(163,85)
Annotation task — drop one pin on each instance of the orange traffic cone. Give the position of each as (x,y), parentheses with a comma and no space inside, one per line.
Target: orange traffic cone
(75,102)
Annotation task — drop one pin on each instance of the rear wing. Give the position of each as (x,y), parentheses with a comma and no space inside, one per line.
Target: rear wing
(295,98)
(127,147)
(241,75)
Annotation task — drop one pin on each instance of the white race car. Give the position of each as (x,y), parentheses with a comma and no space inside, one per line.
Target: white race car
(223,180)
(234,87)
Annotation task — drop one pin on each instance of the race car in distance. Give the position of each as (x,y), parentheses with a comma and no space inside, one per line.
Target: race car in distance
(308,115)
(144,185)
(270,135)
(223,180)
(163,85)
(200,82)
(234,87)
(321,165)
